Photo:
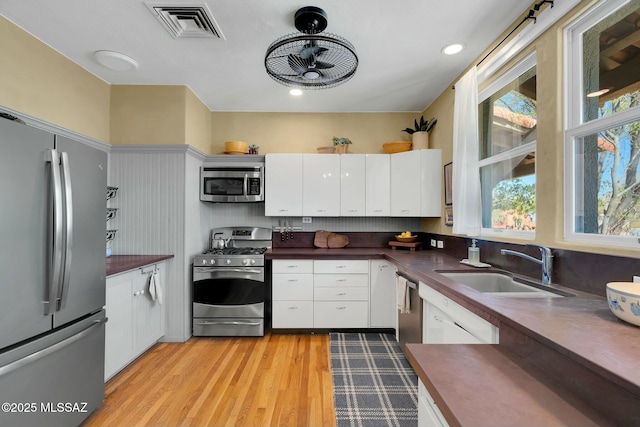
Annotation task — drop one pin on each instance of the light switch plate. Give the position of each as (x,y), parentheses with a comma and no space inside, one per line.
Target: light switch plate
(433,243)
(306,220)
(440,244)
(636,279)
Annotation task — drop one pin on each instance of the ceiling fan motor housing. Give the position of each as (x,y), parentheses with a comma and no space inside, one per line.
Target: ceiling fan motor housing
(310,20)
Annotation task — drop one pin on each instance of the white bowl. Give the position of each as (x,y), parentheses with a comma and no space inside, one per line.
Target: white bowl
(624,301)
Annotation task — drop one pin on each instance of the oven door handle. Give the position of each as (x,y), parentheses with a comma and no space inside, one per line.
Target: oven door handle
(229,322)
(225,270)
(245,185)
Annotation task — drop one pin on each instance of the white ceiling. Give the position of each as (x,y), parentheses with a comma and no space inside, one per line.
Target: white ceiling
(401,68)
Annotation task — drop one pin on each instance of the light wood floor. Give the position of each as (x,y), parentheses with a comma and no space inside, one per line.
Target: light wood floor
(275,380)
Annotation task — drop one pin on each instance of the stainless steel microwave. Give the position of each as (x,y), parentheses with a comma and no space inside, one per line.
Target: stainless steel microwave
(232,183)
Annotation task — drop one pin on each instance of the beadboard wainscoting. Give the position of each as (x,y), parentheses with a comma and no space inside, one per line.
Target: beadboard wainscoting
(159,212)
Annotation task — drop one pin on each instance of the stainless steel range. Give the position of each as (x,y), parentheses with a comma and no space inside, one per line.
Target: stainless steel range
(230,283)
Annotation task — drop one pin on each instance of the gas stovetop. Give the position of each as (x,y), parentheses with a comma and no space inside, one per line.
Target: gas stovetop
(246,248)
(236,251)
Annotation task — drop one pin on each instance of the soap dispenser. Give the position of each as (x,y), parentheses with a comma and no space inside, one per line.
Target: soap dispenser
(474,253)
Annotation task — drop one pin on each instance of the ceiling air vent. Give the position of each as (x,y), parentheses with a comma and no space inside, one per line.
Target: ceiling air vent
(186,20)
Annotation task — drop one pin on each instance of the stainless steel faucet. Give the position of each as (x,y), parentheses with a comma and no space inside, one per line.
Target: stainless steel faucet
(546,261)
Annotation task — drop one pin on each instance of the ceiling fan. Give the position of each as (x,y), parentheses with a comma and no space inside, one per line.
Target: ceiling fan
(311,59)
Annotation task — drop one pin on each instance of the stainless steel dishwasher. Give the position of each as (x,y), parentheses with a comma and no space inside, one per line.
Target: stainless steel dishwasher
(410,324)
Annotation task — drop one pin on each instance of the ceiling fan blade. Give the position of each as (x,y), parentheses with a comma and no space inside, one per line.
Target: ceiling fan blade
(312,51)
(298,64)
(319,65)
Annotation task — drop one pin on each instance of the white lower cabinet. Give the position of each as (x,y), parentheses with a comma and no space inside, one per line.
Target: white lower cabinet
(429,414)
(136,322)
(292,294)
(447,322)
(382,294)
(320,294)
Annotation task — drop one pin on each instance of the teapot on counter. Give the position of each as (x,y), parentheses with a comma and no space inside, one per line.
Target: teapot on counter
(219,242)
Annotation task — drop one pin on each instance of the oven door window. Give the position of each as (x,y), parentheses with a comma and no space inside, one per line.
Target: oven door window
(222,288)
(224,186)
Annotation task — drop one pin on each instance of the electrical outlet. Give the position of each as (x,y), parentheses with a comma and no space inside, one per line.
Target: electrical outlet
(433,243)
(636,279)
(440,244)
(306,220)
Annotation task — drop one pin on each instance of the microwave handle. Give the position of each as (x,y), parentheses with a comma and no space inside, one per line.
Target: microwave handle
(245,185)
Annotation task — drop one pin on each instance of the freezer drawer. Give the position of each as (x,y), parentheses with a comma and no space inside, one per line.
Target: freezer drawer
(58,380)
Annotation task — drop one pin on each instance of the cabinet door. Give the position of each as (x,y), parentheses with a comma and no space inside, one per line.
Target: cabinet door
(382,298)
(292,314)
(321,185)
(405,184)
(292,287)
(149,319)
(431,183)
(378,185)
(283,185)
(352,185)
(119,330)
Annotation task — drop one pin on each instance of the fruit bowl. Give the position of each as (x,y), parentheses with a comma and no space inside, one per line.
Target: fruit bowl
(409,239)
(624,301)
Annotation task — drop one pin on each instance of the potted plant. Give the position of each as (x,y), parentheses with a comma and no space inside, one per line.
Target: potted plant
(253,149)
(420,132)
(342,144)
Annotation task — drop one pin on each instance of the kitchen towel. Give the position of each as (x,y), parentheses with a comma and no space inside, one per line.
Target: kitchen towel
(155,289)
(404,301)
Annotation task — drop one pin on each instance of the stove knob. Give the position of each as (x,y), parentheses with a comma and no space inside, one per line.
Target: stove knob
(253,261)
(228,261)
(246,261)
(212,262)
(204,261)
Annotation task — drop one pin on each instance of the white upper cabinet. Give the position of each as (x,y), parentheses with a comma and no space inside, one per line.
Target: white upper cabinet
(321,185)
(405,184)
(431,183)
(378,185)
(416,183)
(352,185)
(283,185)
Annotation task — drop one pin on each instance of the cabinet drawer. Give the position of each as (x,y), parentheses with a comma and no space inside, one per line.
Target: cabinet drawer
(293,266)
(292,314)
(320,280)
(341,267)
(340,314)
(341,293)
(293,286)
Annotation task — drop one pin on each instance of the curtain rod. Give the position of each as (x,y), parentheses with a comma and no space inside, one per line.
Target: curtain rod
(530,15)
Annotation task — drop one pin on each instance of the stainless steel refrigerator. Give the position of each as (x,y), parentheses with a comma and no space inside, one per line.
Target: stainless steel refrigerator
(52,277)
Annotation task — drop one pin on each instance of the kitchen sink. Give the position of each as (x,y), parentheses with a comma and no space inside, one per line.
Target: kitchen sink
(503,285)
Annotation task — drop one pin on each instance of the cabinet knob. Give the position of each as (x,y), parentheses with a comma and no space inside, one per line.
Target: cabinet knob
(341,308)
(293,308)
(341,293)
(292,280)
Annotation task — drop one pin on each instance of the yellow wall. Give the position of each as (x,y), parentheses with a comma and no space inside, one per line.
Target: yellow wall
(550,143)
(38,81)
(304,132)
(148,114)
(198,123)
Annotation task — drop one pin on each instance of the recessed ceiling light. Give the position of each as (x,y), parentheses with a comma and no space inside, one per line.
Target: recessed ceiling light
(295,92)
(452,49)
(115,60)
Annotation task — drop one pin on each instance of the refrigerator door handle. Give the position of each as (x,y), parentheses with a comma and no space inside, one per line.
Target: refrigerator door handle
(68,230)
(47,351)
(54,255)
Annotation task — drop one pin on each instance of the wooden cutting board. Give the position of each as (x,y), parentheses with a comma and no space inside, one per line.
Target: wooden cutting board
(321,239)
(337,240)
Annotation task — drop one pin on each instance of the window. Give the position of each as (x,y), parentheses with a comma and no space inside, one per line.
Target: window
(602,144)
(507,118)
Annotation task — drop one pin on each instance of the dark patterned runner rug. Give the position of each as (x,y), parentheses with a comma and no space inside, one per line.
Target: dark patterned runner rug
(373,382)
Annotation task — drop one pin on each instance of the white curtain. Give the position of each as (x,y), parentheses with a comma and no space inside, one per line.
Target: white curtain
(467,206)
